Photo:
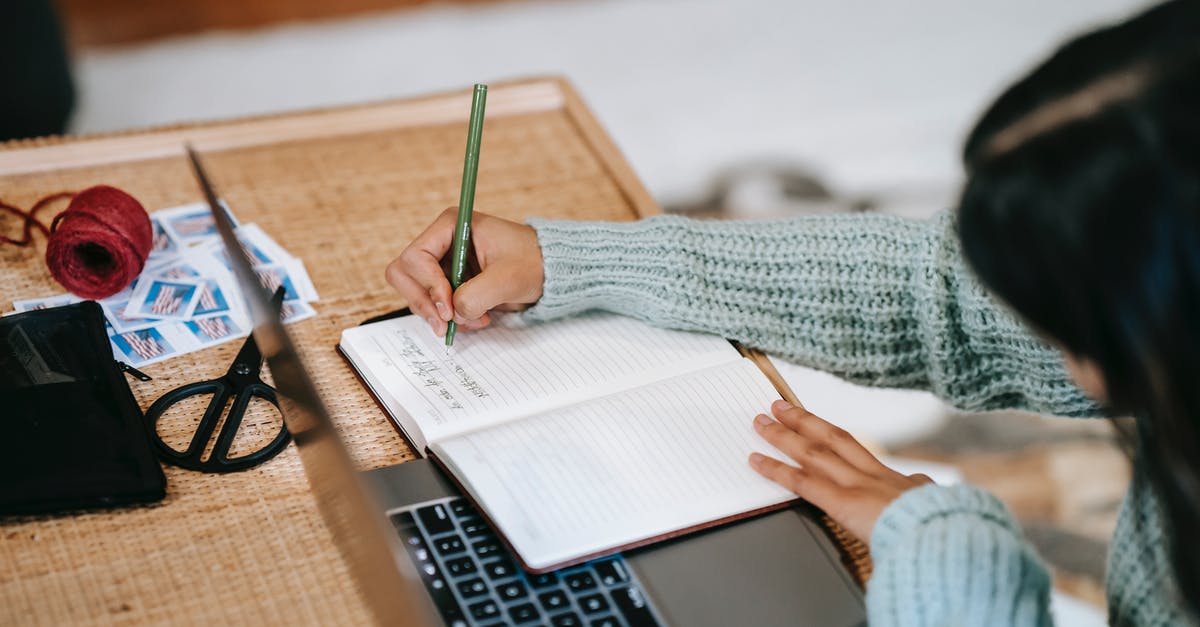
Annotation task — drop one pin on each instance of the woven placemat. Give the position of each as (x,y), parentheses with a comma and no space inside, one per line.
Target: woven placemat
(250,547)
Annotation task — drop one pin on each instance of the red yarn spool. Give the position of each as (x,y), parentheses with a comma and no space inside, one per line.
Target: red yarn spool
(100,244)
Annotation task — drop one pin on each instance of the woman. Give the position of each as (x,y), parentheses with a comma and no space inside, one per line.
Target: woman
(1081,215)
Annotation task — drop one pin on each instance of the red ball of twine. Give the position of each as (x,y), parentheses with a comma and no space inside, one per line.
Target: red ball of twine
(100,244)
(97,246)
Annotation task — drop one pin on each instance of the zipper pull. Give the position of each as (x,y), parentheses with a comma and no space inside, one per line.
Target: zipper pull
(137,374)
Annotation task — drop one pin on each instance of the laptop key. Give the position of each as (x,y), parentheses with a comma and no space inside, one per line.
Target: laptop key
(411,539)
(447,546)
(461,507)
(485,610)
(443,598)
(523,613)
(486,549)
(633,607)
(567,619)
(475,528)
(403,520)
(511,591)
(460,566)
(593,604)
(611,572)
(416,548)
(580,581)
(436,519)
(543,580)
(472,588)
(604,621)
(553,600)
(499,569)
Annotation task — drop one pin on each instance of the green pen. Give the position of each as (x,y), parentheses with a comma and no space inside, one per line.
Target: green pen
(466,199)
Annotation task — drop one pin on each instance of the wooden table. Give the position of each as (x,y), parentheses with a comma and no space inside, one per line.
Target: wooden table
(344,189)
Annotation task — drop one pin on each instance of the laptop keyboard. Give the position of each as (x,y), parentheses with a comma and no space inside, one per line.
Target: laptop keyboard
(474,580)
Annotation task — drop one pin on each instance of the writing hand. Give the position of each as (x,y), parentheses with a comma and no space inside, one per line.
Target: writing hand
(510,272)
(834,472)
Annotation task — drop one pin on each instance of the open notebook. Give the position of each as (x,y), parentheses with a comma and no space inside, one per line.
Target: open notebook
(582,436)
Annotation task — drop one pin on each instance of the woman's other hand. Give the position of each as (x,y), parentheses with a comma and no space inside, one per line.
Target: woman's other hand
(509,279)
(833,471)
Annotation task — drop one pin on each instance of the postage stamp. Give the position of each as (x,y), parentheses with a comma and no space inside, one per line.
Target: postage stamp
(114,314)
(44,303)
(213,329)
(213,299)
(274,276)
(178,268)
(163,299)
(163,244)
(261,248)
(296,311)
(190,224)
(143,347)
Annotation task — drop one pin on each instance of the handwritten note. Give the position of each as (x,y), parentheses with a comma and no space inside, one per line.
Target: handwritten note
(514,369)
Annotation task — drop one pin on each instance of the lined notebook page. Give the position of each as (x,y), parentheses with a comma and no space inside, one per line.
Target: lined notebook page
(608,472)
(513,369)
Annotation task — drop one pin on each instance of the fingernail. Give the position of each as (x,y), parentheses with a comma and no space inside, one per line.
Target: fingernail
(756,458)
(783,405)
(762,420)
(443,310)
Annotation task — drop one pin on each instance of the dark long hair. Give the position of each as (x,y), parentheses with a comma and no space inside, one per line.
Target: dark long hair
(1082,211)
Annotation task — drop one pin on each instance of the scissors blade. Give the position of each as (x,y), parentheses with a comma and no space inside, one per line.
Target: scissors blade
(249,359)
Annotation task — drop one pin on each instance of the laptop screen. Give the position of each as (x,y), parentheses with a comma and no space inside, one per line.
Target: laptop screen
(387,579)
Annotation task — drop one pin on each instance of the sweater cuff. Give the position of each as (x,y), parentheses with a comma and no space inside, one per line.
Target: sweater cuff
(598,265)
(919,506)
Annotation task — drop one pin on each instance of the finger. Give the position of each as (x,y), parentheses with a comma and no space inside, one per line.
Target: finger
(423,257)
(481,294)
(437,238)
(809,486)
(807,452)
(405,273)
(418,300)
(413,293)
(442,304)
(839,440)
(424,268)
(921,477)
(476,324)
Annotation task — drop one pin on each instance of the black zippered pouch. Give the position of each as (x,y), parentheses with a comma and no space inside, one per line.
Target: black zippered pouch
(71,433)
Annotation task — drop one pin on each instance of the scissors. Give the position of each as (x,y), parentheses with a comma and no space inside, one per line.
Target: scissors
(241,383)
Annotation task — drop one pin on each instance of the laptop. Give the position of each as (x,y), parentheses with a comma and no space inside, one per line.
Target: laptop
(421,555)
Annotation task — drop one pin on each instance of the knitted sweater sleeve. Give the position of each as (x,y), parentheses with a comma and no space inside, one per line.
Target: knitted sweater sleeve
(876,299)
(953,556)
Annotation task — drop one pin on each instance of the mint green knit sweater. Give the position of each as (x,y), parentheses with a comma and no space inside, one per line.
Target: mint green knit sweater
(881,301)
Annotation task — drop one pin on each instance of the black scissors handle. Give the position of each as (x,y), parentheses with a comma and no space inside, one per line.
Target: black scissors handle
(219,461)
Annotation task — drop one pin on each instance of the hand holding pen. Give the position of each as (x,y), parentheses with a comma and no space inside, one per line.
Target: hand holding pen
(509,277)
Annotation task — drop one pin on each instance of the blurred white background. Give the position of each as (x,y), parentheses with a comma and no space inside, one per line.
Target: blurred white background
(875,96)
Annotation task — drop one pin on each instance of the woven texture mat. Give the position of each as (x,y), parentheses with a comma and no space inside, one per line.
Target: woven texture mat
(345,196)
